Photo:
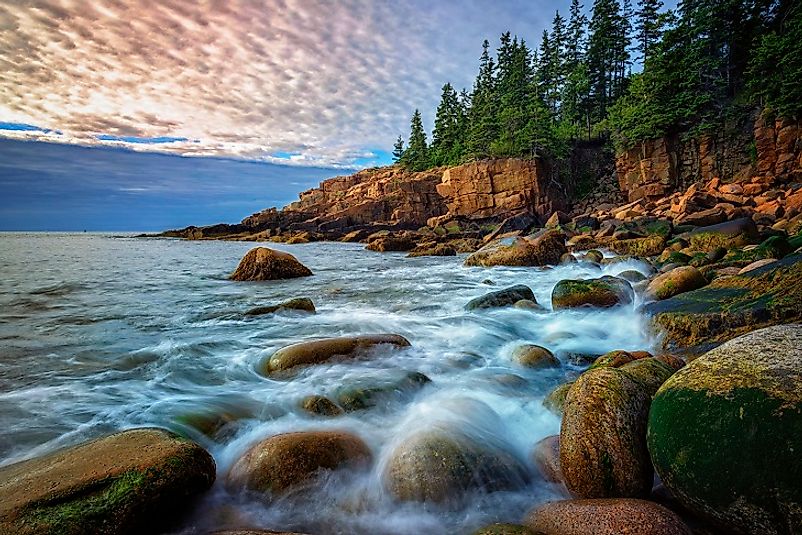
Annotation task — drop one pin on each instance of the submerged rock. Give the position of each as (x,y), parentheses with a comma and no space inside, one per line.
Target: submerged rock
(320,405)
(502,298)
(725,433)
(602,292)
(546,457)
(603,436)
(326,349)
(605,517)
(535,356)
(543,250)
(261,263)
(731,306)
(440,465)
(368,393)
(285,462)
(129,482)
(677,281)
(301,304)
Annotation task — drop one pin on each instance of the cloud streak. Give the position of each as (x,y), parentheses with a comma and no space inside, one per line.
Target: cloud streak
(327,82)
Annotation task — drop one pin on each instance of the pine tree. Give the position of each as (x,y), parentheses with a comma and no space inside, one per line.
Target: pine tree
(515,93)
(575,97)
(398,149)
(648,26)
(446,147)
(482,116)
(416,157)
(603,56)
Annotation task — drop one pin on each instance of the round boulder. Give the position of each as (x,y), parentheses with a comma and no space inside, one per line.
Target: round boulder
(652,372)
(677,281)
(135,481)
(535,356)
(605,517)
(603,436)
(261,263)
(602,292)
(283,462)
(502,298)
(546,249)
(546,457)
(440,465)
(725,433)
(326,349)
(320,405)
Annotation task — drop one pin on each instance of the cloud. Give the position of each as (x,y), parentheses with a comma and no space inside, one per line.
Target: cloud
(331,83)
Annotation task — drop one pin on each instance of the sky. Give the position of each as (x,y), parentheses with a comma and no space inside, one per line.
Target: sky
(145,114)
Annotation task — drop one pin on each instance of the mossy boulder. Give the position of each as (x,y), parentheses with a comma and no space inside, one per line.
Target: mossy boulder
(546,457)
(652,372)
(325,350)
(285,462)
(555,400)
(613,359)
(300,304)
(535,357)
(367,393)
(605,517)
(729,234)
(603,436)
(593,255)
(540,251)
(631,275)
(135,481)
(321,406)
(262,263)
(602,292)
(502,298)
(725,433)
(504,529)
(642,247)
(677,281)
(440,465)
(731,306)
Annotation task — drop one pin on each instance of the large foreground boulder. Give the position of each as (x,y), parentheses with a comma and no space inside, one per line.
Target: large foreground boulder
(605,517)
(603,436)
(502,298)
(731,306)
(130,482)
(441,465)
(725,433)
(285,462)
(541,251)
(261,263)
(603,292)
(326,349)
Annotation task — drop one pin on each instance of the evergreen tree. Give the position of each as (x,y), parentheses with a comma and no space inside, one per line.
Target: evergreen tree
(515,90)
(416,157)
(482,116)
(648,26)
(446,147)
(546,77)
(398,149)
(575,95)
(602,56)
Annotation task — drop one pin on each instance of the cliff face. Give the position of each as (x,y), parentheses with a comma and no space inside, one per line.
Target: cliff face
(497,188)
(764,147)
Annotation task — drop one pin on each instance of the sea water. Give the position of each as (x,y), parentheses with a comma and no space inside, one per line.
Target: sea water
(101,333)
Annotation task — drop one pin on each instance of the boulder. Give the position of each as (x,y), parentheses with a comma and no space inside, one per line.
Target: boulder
(641,247)
(546,457)
(540,251)
(534,356)
(326,349)
(603,436)
(285,462)
(367,393)
(528,304)
(301,304)
(725,433)
(502,298)
(432,249)
(440,465)
(321,406)
(731,306)
(391,243)
(602,292)
(261,263)
(677,281)
(652,372)
(555,400)
(729,234)
(129,482)
(605,517)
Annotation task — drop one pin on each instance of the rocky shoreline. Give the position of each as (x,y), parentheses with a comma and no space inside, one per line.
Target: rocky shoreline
(701,437)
